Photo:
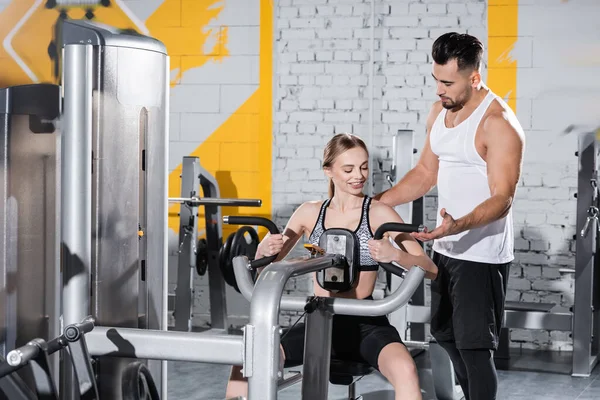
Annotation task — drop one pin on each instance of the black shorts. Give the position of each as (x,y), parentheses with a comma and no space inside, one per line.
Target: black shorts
(354,338)
(467,302)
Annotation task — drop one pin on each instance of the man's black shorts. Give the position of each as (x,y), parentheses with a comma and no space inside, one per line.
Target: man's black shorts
(354,338)
(467,302)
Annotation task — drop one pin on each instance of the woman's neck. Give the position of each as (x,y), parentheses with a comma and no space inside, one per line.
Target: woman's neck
(344,201)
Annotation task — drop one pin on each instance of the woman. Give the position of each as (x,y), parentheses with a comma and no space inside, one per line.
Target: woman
(366,339)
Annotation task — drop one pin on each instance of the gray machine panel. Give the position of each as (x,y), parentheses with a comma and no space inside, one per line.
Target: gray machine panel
(29,277)
(98,34)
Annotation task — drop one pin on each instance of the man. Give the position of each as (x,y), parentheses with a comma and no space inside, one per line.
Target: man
(473,153)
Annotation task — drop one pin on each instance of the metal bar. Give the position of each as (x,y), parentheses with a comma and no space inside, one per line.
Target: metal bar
(76,189)
(415,344)
(214,240)
(538,320)
(411,282)
(317,354)
(165,345)
(264,323)
(418,314)
(188,232)
(584,258)
(292,380)
(201,201)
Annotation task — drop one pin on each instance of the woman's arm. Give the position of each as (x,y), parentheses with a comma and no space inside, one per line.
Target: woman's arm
(410,252)
(282,244)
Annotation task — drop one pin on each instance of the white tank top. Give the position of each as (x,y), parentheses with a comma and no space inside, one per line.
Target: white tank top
(462,184)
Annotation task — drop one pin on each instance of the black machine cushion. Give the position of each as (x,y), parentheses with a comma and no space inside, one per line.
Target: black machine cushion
(342,372)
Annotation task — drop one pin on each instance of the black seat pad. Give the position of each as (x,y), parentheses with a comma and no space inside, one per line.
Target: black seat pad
(342,372)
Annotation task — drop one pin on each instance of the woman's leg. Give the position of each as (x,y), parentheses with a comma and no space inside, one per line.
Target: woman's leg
(238,385)
(398,366)
(292,344)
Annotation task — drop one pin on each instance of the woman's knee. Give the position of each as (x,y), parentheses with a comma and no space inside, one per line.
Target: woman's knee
(396,363)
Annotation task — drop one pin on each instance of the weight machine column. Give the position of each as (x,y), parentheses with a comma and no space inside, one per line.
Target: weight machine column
(76,192)
(188,233)
(585,316)
(214,240)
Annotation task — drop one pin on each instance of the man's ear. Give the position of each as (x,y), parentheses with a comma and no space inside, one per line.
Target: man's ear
(475,79)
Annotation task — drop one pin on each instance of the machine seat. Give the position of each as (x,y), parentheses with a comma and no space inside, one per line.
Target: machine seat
(342,372)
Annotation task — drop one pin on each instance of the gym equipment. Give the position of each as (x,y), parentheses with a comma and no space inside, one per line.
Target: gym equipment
(36,355)
(410,319)
(29,280)
(113,186)
(206,254)
(235,245)
(261,359)
(82,198)
(344,242)
(582,320)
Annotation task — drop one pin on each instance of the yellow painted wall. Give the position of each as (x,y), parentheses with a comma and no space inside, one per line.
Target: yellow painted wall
(502,38)
(238,152)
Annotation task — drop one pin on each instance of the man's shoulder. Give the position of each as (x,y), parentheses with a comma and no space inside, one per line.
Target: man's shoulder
(499,119)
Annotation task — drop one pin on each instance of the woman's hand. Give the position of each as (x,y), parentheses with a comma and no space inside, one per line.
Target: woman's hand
(383,251)
(270,245)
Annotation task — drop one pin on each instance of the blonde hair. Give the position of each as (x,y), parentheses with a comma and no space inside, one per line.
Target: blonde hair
(336,146)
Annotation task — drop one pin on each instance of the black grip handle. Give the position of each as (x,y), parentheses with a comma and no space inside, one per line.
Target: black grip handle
(395,227)
(243,220)
(267,223)
(74,331)
(20,356)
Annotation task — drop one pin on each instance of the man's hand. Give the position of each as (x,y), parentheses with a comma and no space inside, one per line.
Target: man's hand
(383,251)
(448,227)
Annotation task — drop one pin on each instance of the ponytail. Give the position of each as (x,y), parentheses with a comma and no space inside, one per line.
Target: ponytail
(331,188)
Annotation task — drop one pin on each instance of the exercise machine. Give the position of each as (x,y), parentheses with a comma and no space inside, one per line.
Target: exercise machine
(84,199)
(35,355)
(262,333)
(29,280)
(582,320)
(203,255)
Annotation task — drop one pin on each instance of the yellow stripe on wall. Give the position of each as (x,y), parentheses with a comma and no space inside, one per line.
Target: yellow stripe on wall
(502,37)
(238,153)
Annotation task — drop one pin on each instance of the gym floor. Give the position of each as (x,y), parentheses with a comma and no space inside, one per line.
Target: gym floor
(533,375)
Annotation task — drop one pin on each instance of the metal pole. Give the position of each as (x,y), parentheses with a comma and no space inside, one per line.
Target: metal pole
(317,354)
(262,334)
(200,201)
(76,193)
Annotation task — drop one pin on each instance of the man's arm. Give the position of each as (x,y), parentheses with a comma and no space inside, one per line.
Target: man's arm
(419,180)
(505,145)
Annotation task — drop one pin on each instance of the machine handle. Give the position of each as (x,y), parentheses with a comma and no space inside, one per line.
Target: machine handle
(246,220)
(208,201)
(71,333)
(74,331)
(22,355)
(395,268)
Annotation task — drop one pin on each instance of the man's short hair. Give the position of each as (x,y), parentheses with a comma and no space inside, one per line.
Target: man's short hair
(466,49)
